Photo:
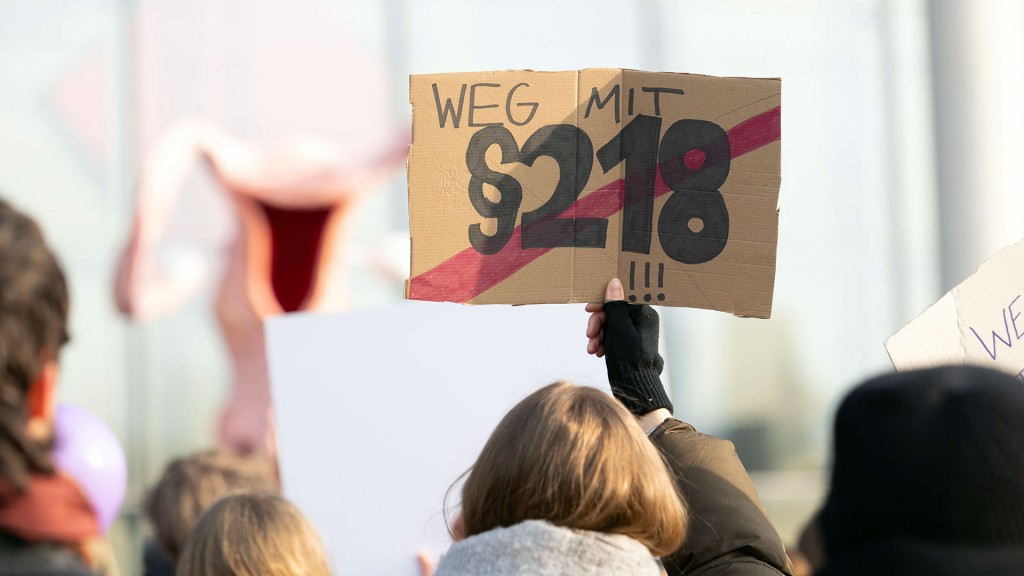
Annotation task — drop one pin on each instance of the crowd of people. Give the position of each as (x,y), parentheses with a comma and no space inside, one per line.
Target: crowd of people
(927,473)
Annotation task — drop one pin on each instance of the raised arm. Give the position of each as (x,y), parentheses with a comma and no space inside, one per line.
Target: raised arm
(730,533)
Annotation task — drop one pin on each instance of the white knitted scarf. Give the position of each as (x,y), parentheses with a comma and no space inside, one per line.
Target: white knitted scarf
(537,548)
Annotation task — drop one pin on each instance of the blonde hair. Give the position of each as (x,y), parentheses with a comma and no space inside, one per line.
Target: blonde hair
(191,484)
(254,534)
(575,457)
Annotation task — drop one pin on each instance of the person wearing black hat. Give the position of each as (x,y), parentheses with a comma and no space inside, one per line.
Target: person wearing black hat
(927,477)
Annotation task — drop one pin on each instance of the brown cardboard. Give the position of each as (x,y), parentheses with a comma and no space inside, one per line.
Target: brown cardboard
(560,250)
(980,321)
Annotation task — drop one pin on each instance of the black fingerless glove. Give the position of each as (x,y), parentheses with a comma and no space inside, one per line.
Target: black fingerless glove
(631,355)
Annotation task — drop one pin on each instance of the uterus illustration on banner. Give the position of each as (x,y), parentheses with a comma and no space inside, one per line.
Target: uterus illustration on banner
(294,204)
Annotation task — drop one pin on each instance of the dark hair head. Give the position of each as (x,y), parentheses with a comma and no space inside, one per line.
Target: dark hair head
(33,321)
(936,455)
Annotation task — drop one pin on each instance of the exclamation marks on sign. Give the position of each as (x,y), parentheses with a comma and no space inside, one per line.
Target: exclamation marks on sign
(647,281)
(632,273)
(661,281)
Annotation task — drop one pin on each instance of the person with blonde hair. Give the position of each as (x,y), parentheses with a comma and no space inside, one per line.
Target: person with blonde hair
(190,485)
(567,483)
(252,534)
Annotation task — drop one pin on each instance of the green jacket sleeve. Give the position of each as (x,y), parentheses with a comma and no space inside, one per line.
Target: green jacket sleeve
(730,533)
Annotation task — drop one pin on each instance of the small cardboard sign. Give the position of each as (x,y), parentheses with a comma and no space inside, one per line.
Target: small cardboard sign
(980,321)
(538,187)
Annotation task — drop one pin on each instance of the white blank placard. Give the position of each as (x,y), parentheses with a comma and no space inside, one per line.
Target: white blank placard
(380,411)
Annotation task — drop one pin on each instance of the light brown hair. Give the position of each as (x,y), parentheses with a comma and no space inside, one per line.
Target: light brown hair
(573,456)
(254,534)
(192,484)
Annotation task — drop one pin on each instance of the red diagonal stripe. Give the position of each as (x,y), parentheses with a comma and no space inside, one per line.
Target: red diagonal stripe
(468,274)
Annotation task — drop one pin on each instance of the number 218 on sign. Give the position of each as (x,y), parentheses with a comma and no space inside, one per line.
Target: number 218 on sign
(694,158)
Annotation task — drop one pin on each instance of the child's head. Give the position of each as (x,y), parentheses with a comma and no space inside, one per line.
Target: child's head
(192,484)
(253,534)
(573,456)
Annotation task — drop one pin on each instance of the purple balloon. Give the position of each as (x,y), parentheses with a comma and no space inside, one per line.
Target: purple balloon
(87,450)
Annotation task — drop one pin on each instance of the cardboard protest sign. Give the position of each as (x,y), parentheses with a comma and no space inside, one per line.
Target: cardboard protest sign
(537,187)
(980,321)
(378,412)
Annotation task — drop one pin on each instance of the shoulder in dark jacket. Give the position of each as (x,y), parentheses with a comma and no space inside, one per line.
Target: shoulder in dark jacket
(730,533)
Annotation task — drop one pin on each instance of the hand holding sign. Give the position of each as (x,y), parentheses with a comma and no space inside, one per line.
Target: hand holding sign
(628,334)
(547,197)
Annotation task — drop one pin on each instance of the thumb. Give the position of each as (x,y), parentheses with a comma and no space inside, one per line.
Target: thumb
(614,291)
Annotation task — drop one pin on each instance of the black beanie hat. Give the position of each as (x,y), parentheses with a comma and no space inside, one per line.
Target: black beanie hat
(935,455)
